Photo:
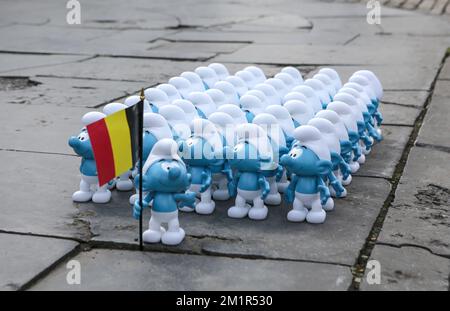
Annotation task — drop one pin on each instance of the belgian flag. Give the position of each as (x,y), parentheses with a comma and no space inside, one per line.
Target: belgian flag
(117,142)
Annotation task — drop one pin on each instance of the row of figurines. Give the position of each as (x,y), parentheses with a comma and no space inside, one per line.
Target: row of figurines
(290,139)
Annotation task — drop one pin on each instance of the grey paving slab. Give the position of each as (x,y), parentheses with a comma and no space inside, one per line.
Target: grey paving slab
(329,54)
(409,269)
(445,71)
(435,128)
(125,270)
(40,128)
(270,36)
(408,98)
(419,214)
(24,257)
(10,62)
(68,92)
(398,114)
(383,159)
(37,195)
(149,71)
(273,22)
(418,25)
(398,77)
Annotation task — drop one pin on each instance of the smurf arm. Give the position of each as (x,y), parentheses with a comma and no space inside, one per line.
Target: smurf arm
(290,190)
(378,117)
(372,132)
(137,209)
(206,179)
(324,191)
(232,186)
(279,173)
(227,171)
(345,168)
(264,186)
(187,198)
(335,183)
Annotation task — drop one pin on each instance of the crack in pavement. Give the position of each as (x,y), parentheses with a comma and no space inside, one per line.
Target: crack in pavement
(359,267)
(435,147)
(446,256)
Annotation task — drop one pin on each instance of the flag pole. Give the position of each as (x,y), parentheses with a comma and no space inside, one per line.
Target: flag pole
(141,164)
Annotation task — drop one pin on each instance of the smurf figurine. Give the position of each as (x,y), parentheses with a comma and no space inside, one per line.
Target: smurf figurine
(308,161)
(88,169)
(250,157)
(165,180)
(203,153)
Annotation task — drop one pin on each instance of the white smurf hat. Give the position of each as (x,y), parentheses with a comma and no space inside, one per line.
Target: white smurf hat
(326,128)
(176,118)
(362,93)
(279,86)
(230,92)
(164,149)
(92,117)
(352,102)
(113,107)
(207,130)
(182,85)
(188,108)
(270,124)
(287,79)
(327,81)
(374,80)
(346,114)
(257,136)
(334,76)
(157,125)
(239,84)
(217,96)
(294,73)
(262,97)
(310,93)
(362,106)
(299,111)
(208,75)
(220,69)
(235,112)
(284,118)
(247,77)
(337,122)
(195,80)
(203,101)
(156,96)
(257,72)
(171,92)
(319,88)
(295,95)
(311,138)
(225,125)
(272,96)
(365,83)
(252,103)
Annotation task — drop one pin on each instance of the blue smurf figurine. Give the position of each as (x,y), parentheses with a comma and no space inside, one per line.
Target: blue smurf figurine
(308,161)
(203,153)
(165,180)
(250,157)
(81,144)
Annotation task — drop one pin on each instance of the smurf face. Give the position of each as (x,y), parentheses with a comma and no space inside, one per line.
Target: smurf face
(148,143)
(245,158)
(166,176)
(196,151)
(81,144)
(302,161)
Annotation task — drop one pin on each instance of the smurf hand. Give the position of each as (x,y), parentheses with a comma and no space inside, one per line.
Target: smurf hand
(189,199)
(265,187)
(337,186)
(228,173)
(232,189)
(137,210)
(279,173)
(324,194)
(206,181)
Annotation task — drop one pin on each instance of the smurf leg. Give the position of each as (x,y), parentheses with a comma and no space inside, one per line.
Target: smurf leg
(193,188)
(155,230)
(316,215)
(206,205)
(240,209)
(274,197)
(174,234)
(283,183)
(102,195)
(124,182)
(259,210)
(85,193)
(221,193)
(299,211)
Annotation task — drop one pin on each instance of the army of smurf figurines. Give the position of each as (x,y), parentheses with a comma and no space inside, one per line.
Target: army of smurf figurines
(210,135)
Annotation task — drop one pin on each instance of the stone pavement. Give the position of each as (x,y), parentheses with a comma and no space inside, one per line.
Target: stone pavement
(51,73)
